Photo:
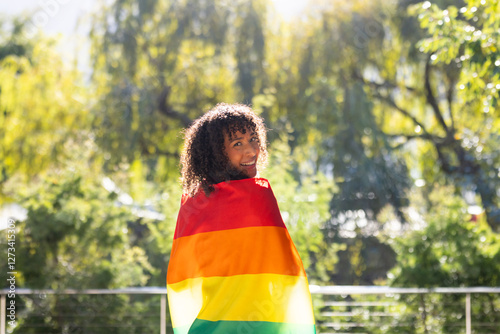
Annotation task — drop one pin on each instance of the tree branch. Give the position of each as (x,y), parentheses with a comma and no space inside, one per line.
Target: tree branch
(449,98)
(445,164)
(408,137)
(167,110)
(384,85)
(425,136)
(163,105)
(389,100)
(430,97)
(393,104)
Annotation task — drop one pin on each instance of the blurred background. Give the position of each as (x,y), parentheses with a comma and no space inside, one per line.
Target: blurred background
(384,142)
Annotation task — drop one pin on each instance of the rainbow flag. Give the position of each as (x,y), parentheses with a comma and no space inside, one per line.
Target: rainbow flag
(233,267)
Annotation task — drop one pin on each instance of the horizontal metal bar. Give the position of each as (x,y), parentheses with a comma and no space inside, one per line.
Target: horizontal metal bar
(340,333)
(386,290)
(356,314)
(315,289)
(126,291)
(346,303)
(359,325)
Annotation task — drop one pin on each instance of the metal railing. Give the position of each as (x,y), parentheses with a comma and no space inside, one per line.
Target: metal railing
(392,292)
(323,291)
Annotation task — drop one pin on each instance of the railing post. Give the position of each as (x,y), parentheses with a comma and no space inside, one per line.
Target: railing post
(3,307)
(163,315)
(468,325)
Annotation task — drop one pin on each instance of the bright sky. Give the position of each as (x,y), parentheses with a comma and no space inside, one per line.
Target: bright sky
(60,17)
(53,16)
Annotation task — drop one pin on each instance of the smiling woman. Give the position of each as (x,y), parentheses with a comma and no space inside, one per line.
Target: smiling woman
(233,267)
(227,143)
(242,150)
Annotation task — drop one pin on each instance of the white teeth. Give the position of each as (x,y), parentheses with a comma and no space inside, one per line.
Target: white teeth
(249,163)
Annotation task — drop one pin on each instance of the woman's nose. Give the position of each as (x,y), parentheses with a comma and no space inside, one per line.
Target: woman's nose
(250,150)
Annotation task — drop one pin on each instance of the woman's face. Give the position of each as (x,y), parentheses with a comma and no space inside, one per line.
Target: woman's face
(243,151)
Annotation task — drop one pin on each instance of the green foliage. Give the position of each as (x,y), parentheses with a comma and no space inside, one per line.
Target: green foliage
(450,251)
(36,88)
(75,235)
(304,208)
(156,70)
(370,176)
(330,119)
(463,43)
(99,314)
(469,37)
(12,41)
(156,236)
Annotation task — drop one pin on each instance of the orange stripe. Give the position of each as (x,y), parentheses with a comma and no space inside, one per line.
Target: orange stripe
(250,250)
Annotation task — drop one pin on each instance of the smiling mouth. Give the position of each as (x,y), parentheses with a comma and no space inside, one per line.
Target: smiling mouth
(250,163)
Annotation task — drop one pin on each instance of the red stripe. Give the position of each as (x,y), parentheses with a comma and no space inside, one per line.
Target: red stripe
(234,204)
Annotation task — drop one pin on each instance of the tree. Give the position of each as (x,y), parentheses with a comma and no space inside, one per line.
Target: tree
(160,64)
(450,251)
(75,236)
(385,106)
(463,48)
(423,95)
(333,124)
(42,105)
(333,127)
(304,207)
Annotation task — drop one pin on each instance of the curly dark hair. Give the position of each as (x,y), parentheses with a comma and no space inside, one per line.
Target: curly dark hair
(203,160)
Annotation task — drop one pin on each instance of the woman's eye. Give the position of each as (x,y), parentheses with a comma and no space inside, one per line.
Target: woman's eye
(237,144)
(255,139)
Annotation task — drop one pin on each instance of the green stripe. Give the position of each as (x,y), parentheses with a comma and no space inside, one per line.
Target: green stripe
(244,327)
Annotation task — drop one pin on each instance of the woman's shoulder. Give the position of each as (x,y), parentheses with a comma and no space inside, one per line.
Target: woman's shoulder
(233,190)
(250,182)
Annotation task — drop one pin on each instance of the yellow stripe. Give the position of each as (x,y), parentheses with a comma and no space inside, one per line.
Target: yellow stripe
(184,301)
(260,297)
